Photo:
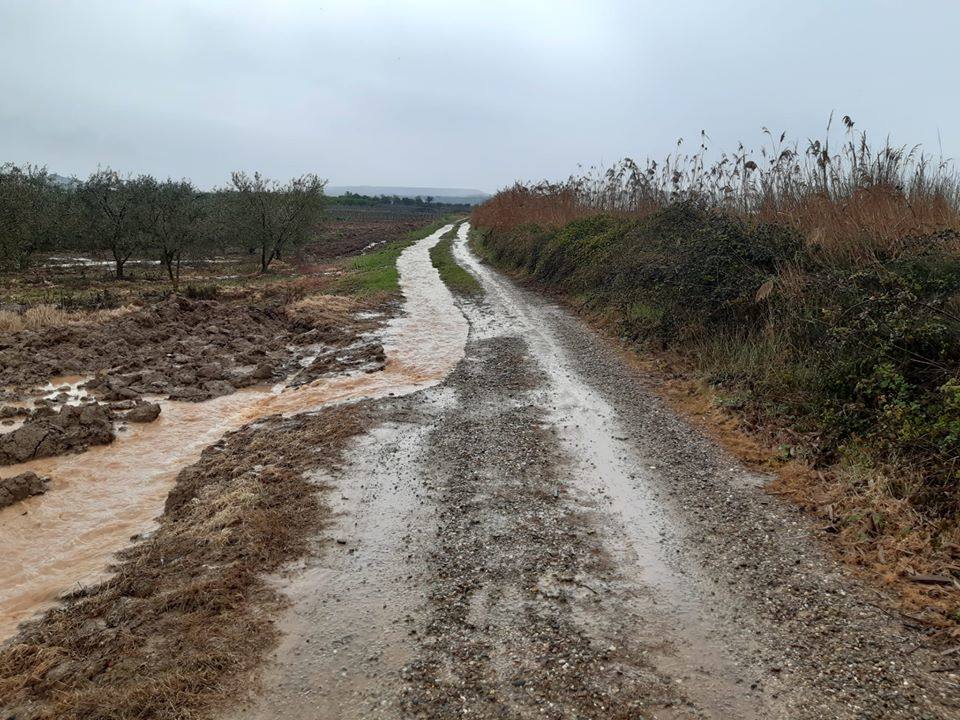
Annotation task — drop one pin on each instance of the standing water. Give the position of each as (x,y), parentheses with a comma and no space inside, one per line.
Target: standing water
(99,499)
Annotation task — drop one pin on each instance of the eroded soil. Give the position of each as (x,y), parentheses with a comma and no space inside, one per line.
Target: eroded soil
(176,349)
(179,348)
(186,610)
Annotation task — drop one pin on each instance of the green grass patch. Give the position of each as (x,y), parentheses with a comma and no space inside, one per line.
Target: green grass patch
(456,278)
(376,272)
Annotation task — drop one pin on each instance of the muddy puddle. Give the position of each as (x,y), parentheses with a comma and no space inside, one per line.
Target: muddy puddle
(99,499)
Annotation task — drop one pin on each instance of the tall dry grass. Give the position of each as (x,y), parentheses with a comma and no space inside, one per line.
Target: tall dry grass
(854,203)
(47,316)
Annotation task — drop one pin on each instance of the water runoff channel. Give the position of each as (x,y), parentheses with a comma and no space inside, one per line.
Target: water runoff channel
(98,500)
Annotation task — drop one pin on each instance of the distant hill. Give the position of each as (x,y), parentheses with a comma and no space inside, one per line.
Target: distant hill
(70,183)
(468,196)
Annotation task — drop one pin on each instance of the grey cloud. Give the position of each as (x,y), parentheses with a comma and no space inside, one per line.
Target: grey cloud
(463,93)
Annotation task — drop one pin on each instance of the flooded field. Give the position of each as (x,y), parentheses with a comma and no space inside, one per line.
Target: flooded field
(99,499)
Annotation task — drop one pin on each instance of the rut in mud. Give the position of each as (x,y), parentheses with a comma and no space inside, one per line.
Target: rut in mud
(539,536)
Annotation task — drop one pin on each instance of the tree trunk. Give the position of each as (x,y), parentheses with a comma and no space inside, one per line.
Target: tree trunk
(168,264)
(120,261)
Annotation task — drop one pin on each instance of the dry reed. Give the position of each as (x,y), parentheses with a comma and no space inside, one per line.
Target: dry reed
(857,203)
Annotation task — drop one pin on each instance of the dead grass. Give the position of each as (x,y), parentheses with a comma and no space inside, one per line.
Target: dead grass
(185,617)
(40,317)
(321,309)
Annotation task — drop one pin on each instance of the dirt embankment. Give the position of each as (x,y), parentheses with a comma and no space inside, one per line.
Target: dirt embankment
(187,606)
(48,432)
(180,349)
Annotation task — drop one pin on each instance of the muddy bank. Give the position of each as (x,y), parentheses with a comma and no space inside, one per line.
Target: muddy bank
(185,349)
(51,430)
(178,349)
(186,607)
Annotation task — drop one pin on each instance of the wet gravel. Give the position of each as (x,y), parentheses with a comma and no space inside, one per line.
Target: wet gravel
(513,565)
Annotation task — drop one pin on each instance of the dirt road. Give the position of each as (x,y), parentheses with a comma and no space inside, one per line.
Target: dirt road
(539,536)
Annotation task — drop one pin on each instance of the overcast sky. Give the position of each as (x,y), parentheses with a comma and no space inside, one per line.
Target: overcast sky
(456,92)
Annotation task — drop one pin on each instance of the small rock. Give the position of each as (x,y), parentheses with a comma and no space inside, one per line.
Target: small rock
(147,412)
(19,487)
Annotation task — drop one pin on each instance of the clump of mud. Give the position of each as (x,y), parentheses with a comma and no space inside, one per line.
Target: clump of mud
(20,487)
(181,349)
(48,432)
(174,630)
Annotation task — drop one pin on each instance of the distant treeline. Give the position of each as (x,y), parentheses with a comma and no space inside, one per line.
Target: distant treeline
(429,203)
(126,217)
(350,198)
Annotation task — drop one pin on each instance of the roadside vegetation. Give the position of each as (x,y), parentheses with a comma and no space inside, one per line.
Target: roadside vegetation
(815,290)
(453,275)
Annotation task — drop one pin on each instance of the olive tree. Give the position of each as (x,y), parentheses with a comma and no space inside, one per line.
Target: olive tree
(114,217)
(170,218)
(27,213)
(273,218)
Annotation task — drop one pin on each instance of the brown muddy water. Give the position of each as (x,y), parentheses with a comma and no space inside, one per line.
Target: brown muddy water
(99,499)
